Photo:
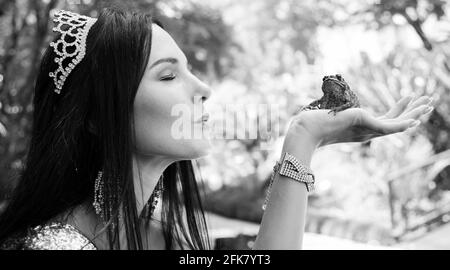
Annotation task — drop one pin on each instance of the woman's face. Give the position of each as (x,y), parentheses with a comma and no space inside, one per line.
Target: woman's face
(168,109)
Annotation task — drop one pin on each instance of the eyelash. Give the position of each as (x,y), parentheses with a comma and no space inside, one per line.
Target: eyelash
(168,78)
(173,76)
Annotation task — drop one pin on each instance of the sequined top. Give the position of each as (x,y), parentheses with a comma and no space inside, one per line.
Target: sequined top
(53,236)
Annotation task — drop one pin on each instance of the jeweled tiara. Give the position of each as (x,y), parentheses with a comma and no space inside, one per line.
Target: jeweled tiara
(70,48)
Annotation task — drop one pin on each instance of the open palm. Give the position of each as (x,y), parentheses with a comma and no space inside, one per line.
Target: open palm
(359,125)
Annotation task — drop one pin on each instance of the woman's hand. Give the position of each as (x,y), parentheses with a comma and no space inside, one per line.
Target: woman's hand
(284,218)
(355,124)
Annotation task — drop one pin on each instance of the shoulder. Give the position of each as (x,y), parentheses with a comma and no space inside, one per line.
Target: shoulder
(57,236)
(52,236)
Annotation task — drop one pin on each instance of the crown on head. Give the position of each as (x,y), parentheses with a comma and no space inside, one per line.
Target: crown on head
(70,48)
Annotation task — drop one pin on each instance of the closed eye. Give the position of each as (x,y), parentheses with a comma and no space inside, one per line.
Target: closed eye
(168,77)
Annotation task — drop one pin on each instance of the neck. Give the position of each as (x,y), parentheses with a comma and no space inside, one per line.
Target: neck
(146,172)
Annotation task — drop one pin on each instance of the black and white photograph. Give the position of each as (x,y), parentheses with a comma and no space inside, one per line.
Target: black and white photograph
(225,125)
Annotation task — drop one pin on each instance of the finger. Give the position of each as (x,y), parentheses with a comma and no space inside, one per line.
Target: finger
(384,127)
(391,127)
(423,100)
(417,112)
(399,107)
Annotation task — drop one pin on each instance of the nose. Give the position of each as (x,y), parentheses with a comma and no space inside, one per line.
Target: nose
(202,89)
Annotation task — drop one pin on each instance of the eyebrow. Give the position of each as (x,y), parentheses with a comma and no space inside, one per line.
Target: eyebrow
(164,60)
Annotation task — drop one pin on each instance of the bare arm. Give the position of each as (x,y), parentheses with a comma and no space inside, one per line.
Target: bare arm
(283,222)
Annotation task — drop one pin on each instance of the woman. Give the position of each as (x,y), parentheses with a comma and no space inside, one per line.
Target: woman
(102,149)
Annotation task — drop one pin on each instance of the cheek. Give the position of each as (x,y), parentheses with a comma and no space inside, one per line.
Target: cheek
(154,122)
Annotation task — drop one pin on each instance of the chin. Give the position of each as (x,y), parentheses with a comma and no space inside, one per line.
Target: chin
(199,148)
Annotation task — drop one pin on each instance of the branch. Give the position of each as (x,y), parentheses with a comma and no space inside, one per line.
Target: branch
(416,24)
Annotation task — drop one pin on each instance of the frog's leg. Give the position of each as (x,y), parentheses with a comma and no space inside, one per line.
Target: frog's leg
(344,106)
(313,105)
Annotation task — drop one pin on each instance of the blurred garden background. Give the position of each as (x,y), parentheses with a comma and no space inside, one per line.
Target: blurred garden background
(391,192)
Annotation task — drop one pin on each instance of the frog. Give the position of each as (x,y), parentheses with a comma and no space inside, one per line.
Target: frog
(337,96)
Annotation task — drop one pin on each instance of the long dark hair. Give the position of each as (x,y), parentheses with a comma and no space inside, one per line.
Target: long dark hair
(89,127)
